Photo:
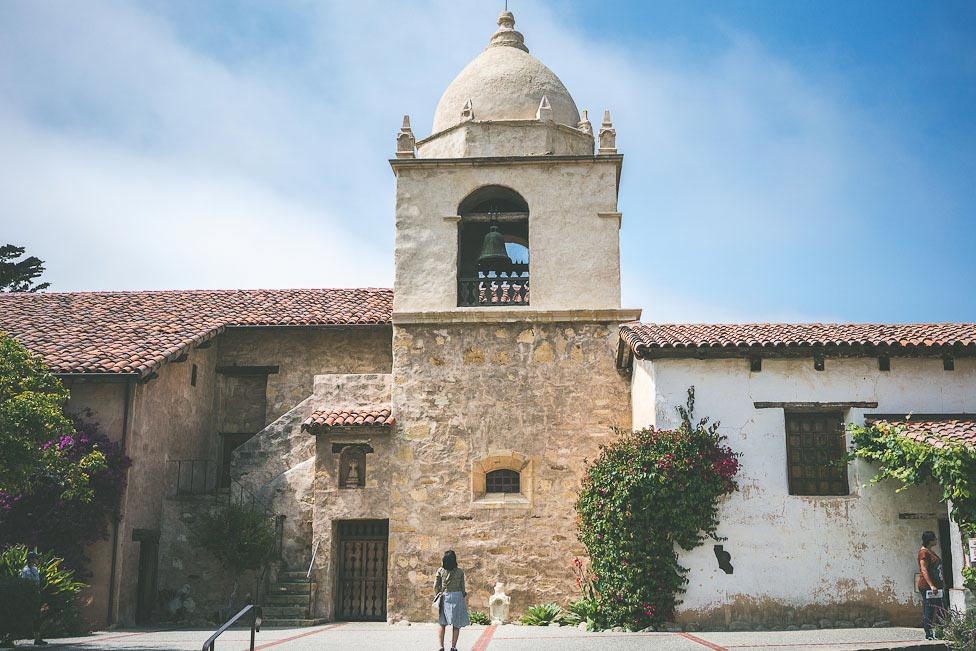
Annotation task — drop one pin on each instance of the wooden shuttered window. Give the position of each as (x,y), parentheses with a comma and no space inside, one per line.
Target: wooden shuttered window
(815,447)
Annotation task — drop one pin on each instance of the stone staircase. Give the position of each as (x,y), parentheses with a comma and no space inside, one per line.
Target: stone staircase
(288,601)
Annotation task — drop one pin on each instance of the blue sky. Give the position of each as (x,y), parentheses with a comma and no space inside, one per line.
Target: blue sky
(797,161)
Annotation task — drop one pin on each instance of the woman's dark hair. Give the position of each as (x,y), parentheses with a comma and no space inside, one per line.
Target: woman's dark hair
(450,560)
(927,537)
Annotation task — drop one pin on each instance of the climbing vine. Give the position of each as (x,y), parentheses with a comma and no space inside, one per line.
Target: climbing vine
(951,464)
(647,492)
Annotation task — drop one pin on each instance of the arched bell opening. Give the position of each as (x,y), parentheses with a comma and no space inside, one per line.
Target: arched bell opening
(493,248)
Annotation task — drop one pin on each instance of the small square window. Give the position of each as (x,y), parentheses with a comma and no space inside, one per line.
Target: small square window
(815,448)
(502,481)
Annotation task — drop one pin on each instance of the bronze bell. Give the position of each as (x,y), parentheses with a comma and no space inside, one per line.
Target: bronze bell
(493,253)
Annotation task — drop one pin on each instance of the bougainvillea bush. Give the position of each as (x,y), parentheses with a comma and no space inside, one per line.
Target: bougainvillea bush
(646,493)
(48,519)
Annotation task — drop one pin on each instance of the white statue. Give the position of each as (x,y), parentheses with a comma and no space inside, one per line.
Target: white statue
(498,605)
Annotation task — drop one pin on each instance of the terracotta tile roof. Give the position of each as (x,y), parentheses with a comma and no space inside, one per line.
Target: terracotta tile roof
(937,432)
(321,421)
(137,332)
(644,338)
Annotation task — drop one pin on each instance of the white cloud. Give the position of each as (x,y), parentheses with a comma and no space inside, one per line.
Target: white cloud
(140,157)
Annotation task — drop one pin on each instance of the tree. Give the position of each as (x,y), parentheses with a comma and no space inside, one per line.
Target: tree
(45,519)
(19,276)
(33,428)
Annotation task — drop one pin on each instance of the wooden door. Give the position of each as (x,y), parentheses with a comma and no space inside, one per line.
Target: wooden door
(361,572)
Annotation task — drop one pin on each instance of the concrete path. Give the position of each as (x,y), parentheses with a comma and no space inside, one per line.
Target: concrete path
(382,637)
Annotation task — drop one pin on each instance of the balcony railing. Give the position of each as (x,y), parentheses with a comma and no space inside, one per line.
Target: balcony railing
(495,288)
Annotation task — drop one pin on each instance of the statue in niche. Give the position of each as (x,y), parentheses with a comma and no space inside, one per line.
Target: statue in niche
(498,605)
(352,468)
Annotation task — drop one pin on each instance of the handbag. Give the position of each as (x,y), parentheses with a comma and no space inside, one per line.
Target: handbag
(438,600)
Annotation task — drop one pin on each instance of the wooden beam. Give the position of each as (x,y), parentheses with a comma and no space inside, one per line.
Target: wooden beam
(247,370)
(810,406)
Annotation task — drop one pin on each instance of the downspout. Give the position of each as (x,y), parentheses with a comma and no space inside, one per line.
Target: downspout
(110,619)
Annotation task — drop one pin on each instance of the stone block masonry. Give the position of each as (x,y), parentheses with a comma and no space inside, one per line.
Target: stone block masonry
(469,397)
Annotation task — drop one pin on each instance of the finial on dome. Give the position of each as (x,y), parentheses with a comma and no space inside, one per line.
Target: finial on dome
(406,143)
(506,34)
(608,136)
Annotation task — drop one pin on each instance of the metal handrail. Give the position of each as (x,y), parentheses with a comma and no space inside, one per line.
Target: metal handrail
(255,626)
(308,579)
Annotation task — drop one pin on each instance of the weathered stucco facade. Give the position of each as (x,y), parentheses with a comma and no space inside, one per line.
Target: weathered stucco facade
(847,557)
(167,418)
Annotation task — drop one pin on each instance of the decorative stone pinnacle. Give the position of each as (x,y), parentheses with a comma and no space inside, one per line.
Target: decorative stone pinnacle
(608,136)
(584,124)
(406,143)
(506,34)
(467,111)
(544,112)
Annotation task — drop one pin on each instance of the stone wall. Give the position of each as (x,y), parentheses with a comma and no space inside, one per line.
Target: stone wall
(545,395)
(301,353)
(194,588)
(847,557)
(279,464)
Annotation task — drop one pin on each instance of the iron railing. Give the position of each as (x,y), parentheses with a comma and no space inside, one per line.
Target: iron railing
(255,611)
(493,288)
(308,578)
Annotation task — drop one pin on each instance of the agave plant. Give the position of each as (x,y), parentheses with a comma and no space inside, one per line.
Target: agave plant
(542,615)
(480,618)
(59,589)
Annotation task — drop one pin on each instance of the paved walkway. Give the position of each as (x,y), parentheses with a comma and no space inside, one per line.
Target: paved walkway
(382,637)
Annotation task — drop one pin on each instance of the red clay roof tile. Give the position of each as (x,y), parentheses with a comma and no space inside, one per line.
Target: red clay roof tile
(321,421)
(939,433)
(644,338)
(137,332)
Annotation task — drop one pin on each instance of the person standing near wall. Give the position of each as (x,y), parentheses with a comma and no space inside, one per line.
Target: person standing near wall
(31,573)
(930,578)
(450,589)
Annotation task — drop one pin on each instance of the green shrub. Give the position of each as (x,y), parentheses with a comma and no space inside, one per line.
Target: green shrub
(648,492)
(480,618)
(59,590)
(585,610)
(19,605)
(239,538)
(542,615)
(958,630)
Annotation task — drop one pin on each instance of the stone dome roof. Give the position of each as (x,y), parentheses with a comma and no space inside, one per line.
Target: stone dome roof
(504,82)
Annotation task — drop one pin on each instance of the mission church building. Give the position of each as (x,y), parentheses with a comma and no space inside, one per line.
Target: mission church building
(458,410)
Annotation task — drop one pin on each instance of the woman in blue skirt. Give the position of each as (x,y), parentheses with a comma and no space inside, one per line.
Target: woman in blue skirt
(449,585)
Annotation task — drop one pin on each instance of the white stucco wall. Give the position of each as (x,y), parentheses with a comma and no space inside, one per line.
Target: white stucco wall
(799,551)
(574,252)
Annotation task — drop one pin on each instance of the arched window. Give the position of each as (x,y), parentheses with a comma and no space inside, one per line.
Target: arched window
(504,479)
(493,248)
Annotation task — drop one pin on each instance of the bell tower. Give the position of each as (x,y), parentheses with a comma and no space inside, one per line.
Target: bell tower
(511,165)
(506,307)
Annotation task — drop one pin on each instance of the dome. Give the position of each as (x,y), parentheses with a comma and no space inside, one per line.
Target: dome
(504,82)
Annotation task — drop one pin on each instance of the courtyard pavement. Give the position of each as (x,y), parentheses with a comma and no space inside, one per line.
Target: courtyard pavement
(382,637)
